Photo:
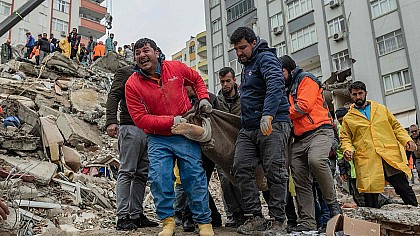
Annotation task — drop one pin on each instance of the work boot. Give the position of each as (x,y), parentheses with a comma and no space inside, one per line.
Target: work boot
(302,228)
(253,223)
(206,230)
(143,222)
(277,229)
(178,218)
(237,220)
(125,224)
(188,225)
(334,208)
(168,227)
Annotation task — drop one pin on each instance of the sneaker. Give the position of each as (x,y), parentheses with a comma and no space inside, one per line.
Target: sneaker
(237,220)
(125,224)
(254,223)
(302,228)
(188,226)
(143,222)
(277,229)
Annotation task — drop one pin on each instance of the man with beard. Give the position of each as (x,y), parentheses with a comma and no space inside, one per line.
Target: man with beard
(264,134)
(372,137)
(313,139)
(156,100)
(229,101)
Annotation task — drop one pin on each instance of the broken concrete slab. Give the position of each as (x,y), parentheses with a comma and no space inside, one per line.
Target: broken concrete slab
(42,171)
(111,62)
(76,131)
(72,158)
(50,132)
(26,191)
(27,115)
(20,143)
(84,100)
(46,111)
(21,99)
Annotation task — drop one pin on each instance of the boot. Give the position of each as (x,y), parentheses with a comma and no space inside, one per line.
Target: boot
(335,209)
(168,227)
(206,230)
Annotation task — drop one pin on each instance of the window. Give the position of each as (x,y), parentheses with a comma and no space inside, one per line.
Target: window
(390,42)
(5,8)
(43,22)
(192,49)
(59,25)
(341,61)
(317,71)
(303,38)
(381,7)
(397,81)
(22,35)
(236,66)
(299,7)
(276,20)
(281,49)
(216,26)
(192,63)
(217,50)
(61,5)
(214,3)
(236,11)
(336,25)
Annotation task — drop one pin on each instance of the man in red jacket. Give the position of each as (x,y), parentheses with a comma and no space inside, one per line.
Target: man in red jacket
(156,100)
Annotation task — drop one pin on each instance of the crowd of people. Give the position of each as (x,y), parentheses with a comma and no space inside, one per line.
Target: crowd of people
(286,126)
(71,46)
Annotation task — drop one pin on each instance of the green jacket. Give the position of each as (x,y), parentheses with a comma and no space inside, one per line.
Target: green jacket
(5,56)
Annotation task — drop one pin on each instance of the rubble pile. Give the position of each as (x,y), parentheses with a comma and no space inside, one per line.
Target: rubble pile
(58,169)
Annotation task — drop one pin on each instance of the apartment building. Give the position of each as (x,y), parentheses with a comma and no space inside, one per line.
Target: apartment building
(57,17)
(374,41)
(194,55)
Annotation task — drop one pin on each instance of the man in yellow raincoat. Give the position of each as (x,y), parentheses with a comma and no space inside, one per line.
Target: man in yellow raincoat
(372,137)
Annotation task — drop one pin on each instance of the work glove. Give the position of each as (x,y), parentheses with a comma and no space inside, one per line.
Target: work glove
(265,125)
(205,106)
(179,119)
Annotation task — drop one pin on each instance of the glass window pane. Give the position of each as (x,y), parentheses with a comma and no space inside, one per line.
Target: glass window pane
(381,47)
(375,10)
(406,75)
(384,6)
(387,83)
(393,4)
(400,41)
(396,80)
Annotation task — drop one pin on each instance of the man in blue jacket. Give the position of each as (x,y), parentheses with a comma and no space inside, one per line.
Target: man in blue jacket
(265,131)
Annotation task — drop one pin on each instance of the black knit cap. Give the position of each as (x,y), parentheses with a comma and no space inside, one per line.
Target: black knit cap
(340,112)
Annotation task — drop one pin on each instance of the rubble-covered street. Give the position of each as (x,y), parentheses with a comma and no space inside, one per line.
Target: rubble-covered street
(58,168)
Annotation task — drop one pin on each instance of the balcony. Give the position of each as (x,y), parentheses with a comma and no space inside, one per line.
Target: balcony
(92,9)
(201,37)
(202,65)
(205,78)
(202,51)
(90,27)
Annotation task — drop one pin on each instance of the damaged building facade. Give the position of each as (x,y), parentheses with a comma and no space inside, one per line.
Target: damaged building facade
(374,41)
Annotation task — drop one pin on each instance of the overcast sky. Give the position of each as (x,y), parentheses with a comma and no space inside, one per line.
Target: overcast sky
(170,23)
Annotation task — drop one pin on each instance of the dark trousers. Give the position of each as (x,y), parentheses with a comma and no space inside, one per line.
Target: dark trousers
(253,148)
(28,51)
(73,53)
(402,188)
(291,210)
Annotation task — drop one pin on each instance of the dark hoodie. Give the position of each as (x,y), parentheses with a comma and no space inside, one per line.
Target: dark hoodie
(262,88)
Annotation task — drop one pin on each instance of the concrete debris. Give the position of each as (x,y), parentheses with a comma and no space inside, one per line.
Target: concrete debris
(111,62)
(72,158)
(84,100)
(76,131)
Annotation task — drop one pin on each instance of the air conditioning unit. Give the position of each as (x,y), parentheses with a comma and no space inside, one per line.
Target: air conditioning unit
(334,4)
(339,36)
(278,30)
(63,33)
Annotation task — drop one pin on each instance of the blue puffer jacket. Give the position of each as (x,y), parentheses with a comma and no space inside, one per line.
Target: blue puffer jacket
(262,88)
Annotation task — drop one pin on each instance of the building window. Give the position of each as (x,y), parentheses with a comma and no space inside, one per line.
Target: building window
(217,50)
(276,20)
(280,49)
(192,49)
(43,22)
(299,7)
(317,71)
(303,38)
(5,8)
(390,42)
(59,25)
(341,61)
(214,3)
(61,5)
(236,11)
(336,25)
(192,63)
(381,7)
(397,81)
(236,66)
(22,35)
(216,26)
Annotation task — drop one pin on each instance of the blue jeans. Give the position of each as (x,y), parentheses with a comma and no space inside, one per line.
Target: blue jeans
(162,151)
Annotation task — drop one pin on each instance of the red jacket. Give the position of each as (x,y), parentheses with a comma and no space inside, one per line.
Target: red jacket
(152,106)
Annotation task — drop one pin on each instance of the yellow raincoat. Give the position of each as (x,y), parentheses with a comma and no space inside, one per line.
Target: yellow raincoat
(65,47)
(381,137)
